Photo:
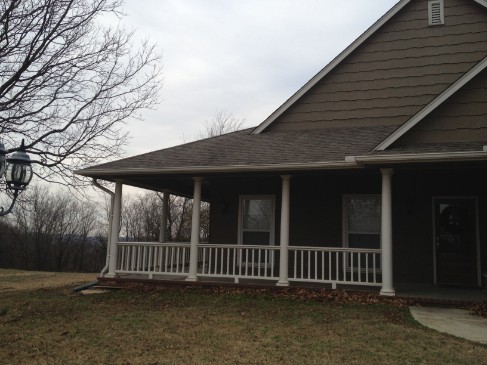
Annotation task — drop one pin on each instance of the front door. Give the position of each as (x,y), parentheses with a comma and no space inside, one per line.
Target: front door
(455,241)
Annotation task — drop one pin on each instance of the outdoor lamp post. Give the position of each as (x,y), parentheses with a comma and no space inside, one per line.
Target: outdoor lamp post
(17,171)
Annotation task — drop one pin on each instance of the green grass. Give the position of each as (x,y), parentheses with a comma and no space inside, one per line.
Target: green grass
(200,326)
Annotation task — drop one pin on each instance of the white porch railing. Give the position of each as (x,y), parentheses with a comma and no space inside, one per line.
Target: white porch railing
(335,265)
(153,258)
(306,264)
(238,261)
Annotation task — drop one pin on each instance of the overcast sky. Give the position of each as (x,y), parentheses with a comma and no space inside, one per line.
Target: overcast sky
(247,56)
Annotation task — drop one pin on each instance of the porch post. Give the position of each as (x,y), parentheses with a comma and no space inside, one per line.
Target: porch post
(115,229)
(165,210)
(283,263)
(386,233)
(195,230)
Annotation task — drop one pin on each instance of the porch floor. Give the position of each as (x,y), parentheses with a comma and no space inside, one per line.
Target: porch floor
(419,293)
(429,293)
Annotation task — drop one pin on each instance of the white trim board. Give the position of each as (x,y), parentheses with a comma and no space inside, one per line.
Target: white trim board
(482,2)
(440,99)
(335,62)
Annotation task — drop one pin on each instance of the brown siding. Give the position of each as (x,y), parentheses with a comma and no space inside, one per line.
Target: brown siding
(395,73)
(462,118)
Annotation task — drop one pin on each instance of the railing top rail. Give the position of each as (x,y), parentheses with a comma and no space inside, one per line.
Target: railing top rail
(262,247)
(334,249)
(173,244)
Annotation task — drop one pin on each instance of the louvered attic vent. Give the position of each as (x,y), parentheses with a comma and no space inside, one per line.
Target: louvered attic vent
(435,12)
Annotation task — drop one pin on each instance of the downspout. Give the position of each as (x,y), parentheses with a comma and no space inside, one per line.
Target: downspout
(110,219)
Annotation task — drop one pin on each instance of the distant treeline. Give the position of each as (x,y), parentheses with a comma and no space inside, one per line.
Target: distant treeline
(55,231)
(52,232)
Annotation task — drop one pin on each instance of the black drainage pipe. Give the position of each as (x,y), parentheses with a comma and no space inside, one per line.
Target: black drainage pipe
(86,286)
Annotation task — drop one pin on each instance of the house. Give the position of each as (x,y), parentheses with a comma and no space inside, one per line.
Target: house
(373,173)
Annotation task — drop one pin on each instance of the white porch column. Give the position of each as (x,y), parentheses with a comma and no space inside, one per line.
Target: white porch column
(165,210)
(386,233)
(195,230)
(284,251)
(115,230)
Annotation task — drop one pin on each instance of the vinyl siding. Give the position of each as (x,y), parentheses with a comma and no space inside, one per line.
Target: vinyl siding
(462,118)
(396,72)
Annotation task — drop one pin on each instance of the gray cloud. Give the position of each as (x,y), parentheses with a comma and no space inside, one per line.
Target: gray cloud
(245,56)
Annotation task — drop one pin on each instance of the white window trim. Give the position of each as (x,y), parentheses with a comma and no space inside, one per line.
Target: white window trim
(345,231)
(272,198)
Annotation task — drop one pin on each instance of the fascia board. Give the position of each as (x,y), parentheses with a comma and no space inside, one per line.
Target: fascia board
(452,89)
(420,157)
(335,62)
(217,169)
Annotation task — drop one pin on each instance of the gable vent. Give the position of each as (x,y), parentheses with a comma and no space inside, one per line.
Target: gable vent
(435,12)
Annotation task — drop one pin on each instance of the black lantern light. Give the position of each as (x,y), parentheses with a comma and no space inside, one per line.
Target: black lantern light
(17,171)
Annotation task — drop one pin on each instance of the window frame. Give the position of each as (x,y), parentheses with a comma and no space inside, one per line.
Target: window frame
(241,230)
(345,232)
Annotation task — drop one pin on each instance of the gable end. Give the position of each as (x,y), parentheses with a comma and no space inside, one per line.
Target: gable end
(432,106)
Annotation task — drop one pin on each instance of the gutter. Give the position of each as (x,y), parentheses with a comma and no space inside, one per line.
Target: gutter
(215,169)
(110,219)
(418,157)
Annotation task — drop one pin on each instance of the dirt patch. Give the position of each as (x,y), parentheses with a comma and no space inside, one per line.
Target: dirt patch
(16,280)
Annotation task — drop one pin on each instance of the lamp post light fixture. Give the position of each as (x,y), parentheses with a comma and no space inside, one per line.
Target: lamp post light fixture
(17,172)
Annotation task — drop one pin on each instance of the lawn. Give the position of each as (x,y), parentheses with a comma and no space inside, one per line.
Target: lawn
(208,326)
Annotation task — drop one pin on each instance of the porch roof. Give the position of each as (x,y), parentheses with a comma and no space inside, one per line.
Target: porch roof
(243,151)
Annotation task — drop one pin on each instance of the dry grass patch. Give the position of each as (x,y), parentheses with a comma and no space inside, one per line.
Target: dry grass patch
(13,280)
(202,326)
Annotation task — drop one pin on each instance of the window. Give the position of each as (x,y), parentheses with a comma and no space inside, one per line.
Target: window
(256,220)
(361,220)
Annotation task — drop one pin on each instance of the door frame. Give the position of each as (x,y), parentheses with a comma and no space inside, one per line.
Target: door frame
(477,233)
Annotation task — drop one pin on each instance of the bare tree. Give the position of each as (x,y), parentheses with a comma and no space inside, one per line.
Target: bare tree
(67,82)
(141,217)
(222,122)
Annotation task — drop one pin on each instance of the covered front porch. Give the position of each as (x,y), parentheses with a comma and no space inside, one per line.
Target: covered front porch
(330,229)
(255,254)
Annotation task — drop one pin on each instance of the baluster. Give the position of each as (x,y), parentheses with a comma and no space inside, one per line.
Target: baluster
(149,261)
(359,268)
(375,269)
(222,260)
(122,258)
(352,267)
(302,263)
(315,253)
(266,261)
(246,261)
(228,250)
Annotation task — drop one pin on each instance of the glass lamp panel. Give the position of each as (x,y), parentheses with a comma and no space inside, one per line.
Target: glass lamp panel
(18,175)
(3,153)
(2,164)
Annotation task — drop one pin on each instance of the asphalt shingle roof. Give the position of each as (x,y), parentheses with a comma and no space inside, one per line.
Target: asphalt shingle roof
(273,148)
